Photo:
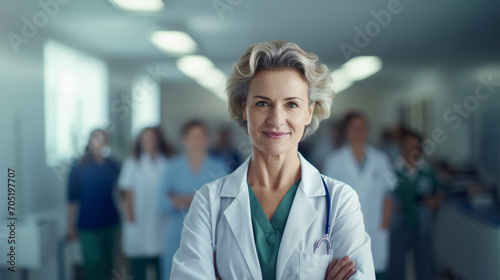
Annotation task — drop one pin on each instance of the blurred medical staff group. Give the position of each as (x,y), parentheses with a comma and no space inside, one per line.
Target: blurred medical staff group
(398,192)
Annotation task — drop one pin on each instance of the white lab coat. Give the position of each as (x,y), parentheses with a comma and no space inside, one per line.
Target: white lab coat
(372,184)
(219,221)
(142,237)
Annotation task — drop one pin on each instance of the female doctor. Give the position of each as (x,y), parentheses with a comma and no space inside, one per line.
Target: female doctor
(370,173)
(265,220)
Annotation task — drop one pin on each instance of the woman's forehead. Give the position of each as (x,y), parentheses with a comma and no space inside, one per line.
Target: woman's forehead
(278,84)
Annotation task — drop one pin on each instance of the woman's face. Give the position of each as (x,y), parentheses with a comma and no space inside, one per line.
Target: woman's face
(357,131)
(411,148)
(277,110)
(196,140)
(149,141)
(98,139)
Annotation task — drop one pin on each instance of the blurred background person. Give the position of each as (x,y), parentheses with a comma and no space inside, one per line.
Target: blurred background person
(225,150)
(139,181)
(416,196)
(93,216)
(388,144)
(368,171)
(182,177)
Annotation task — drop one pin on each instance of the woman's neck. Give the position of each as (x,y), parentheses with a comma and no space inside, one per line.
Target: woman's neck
(195,159)
(273,172)
(152,154)
(98,157)
(358,149)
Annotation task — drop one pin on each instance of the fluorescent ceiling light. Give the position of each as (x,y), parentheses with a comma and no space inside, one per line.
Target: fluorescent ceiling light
(204,72)
(213,79)
(138,5)
(340,82)
(173,42)
(356,69)
(194,66)
(362,67)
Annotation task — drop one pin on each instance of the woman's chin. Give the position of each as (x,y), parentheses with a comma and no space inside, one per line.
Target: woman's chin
(275,149)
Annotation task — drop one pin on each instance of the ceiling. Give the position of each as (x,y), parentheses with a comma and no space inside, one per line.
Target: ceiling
(423,33)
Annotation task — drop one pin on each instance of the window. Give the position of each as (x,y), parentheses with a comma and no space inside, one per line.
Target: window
(145,104)
(76,100)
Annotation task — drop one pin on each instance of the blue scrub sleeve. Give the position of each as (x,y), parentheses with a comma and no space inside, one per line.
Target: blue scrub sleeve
(166,181)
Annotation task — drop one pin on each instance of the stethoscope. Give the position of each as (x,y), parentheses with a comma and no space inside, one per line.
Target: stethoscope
(327,223)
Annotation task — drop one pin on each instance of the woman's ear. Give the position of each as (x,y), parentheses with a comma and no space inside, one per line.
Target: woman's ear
(310,113)
(243,110)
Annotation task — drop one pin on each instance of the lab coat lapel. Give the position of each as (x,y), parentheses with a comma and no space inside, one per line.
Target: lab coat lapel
(362,179)
(302,214)
(366,176)
(351,164)
(239,218)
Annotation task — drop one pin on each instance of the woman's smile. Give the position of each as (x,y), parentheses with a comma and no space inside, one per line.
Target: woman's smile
(275,135)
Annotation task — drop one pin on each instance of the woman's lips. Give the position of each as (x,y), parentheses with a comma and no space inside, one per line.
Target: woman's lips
(275,135)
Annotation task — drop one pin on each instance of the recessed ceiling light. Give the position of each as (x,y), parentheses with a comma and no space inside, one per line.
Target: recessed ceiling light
(362,67)
(138,5)
(194,66)
(356,69)
(204,72)
(340,81)
(173,42)
(214,79)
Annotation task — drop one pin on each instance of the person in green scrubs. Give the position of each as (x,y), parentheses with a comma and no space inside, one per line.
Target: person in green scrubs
(268,233)
(416,196)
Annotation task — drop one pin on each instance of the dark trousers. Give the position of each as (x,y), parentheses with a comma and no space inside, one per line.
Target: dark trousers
(138,267)
(98,249)
(403,241)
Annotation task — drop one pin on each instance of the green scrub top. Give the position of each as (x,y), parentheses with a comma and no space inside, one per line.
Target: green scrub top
(268,233)
(408,190)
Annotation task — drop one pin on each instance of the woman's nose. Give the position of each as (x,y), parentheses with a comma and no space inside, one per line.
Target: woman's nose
(276,117)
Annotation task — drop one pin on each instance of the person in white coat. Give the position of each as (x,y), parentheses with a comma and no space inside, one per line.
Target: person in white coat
(143,226)
(370,173)
(265,220)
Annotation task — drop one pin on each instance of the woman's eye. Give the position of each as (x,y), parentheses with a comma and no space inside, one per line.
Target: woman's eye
(261,104)
(292,105)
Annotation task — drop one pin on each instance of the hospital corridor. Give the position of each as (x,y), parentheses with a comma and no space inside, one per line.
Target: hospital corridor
(249,139)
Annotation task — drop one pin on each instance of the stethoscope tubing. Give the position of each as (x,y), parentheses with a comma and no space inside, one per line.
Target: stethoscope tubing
(326,238)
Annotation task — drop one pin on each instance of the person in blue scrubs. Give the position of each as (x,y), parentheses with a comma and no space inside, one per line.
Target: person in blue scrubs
(91,185)
(182,177)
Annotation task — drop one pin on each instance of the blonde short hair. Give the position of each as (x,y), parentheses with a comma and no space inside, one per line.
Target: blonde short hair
(277,55)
